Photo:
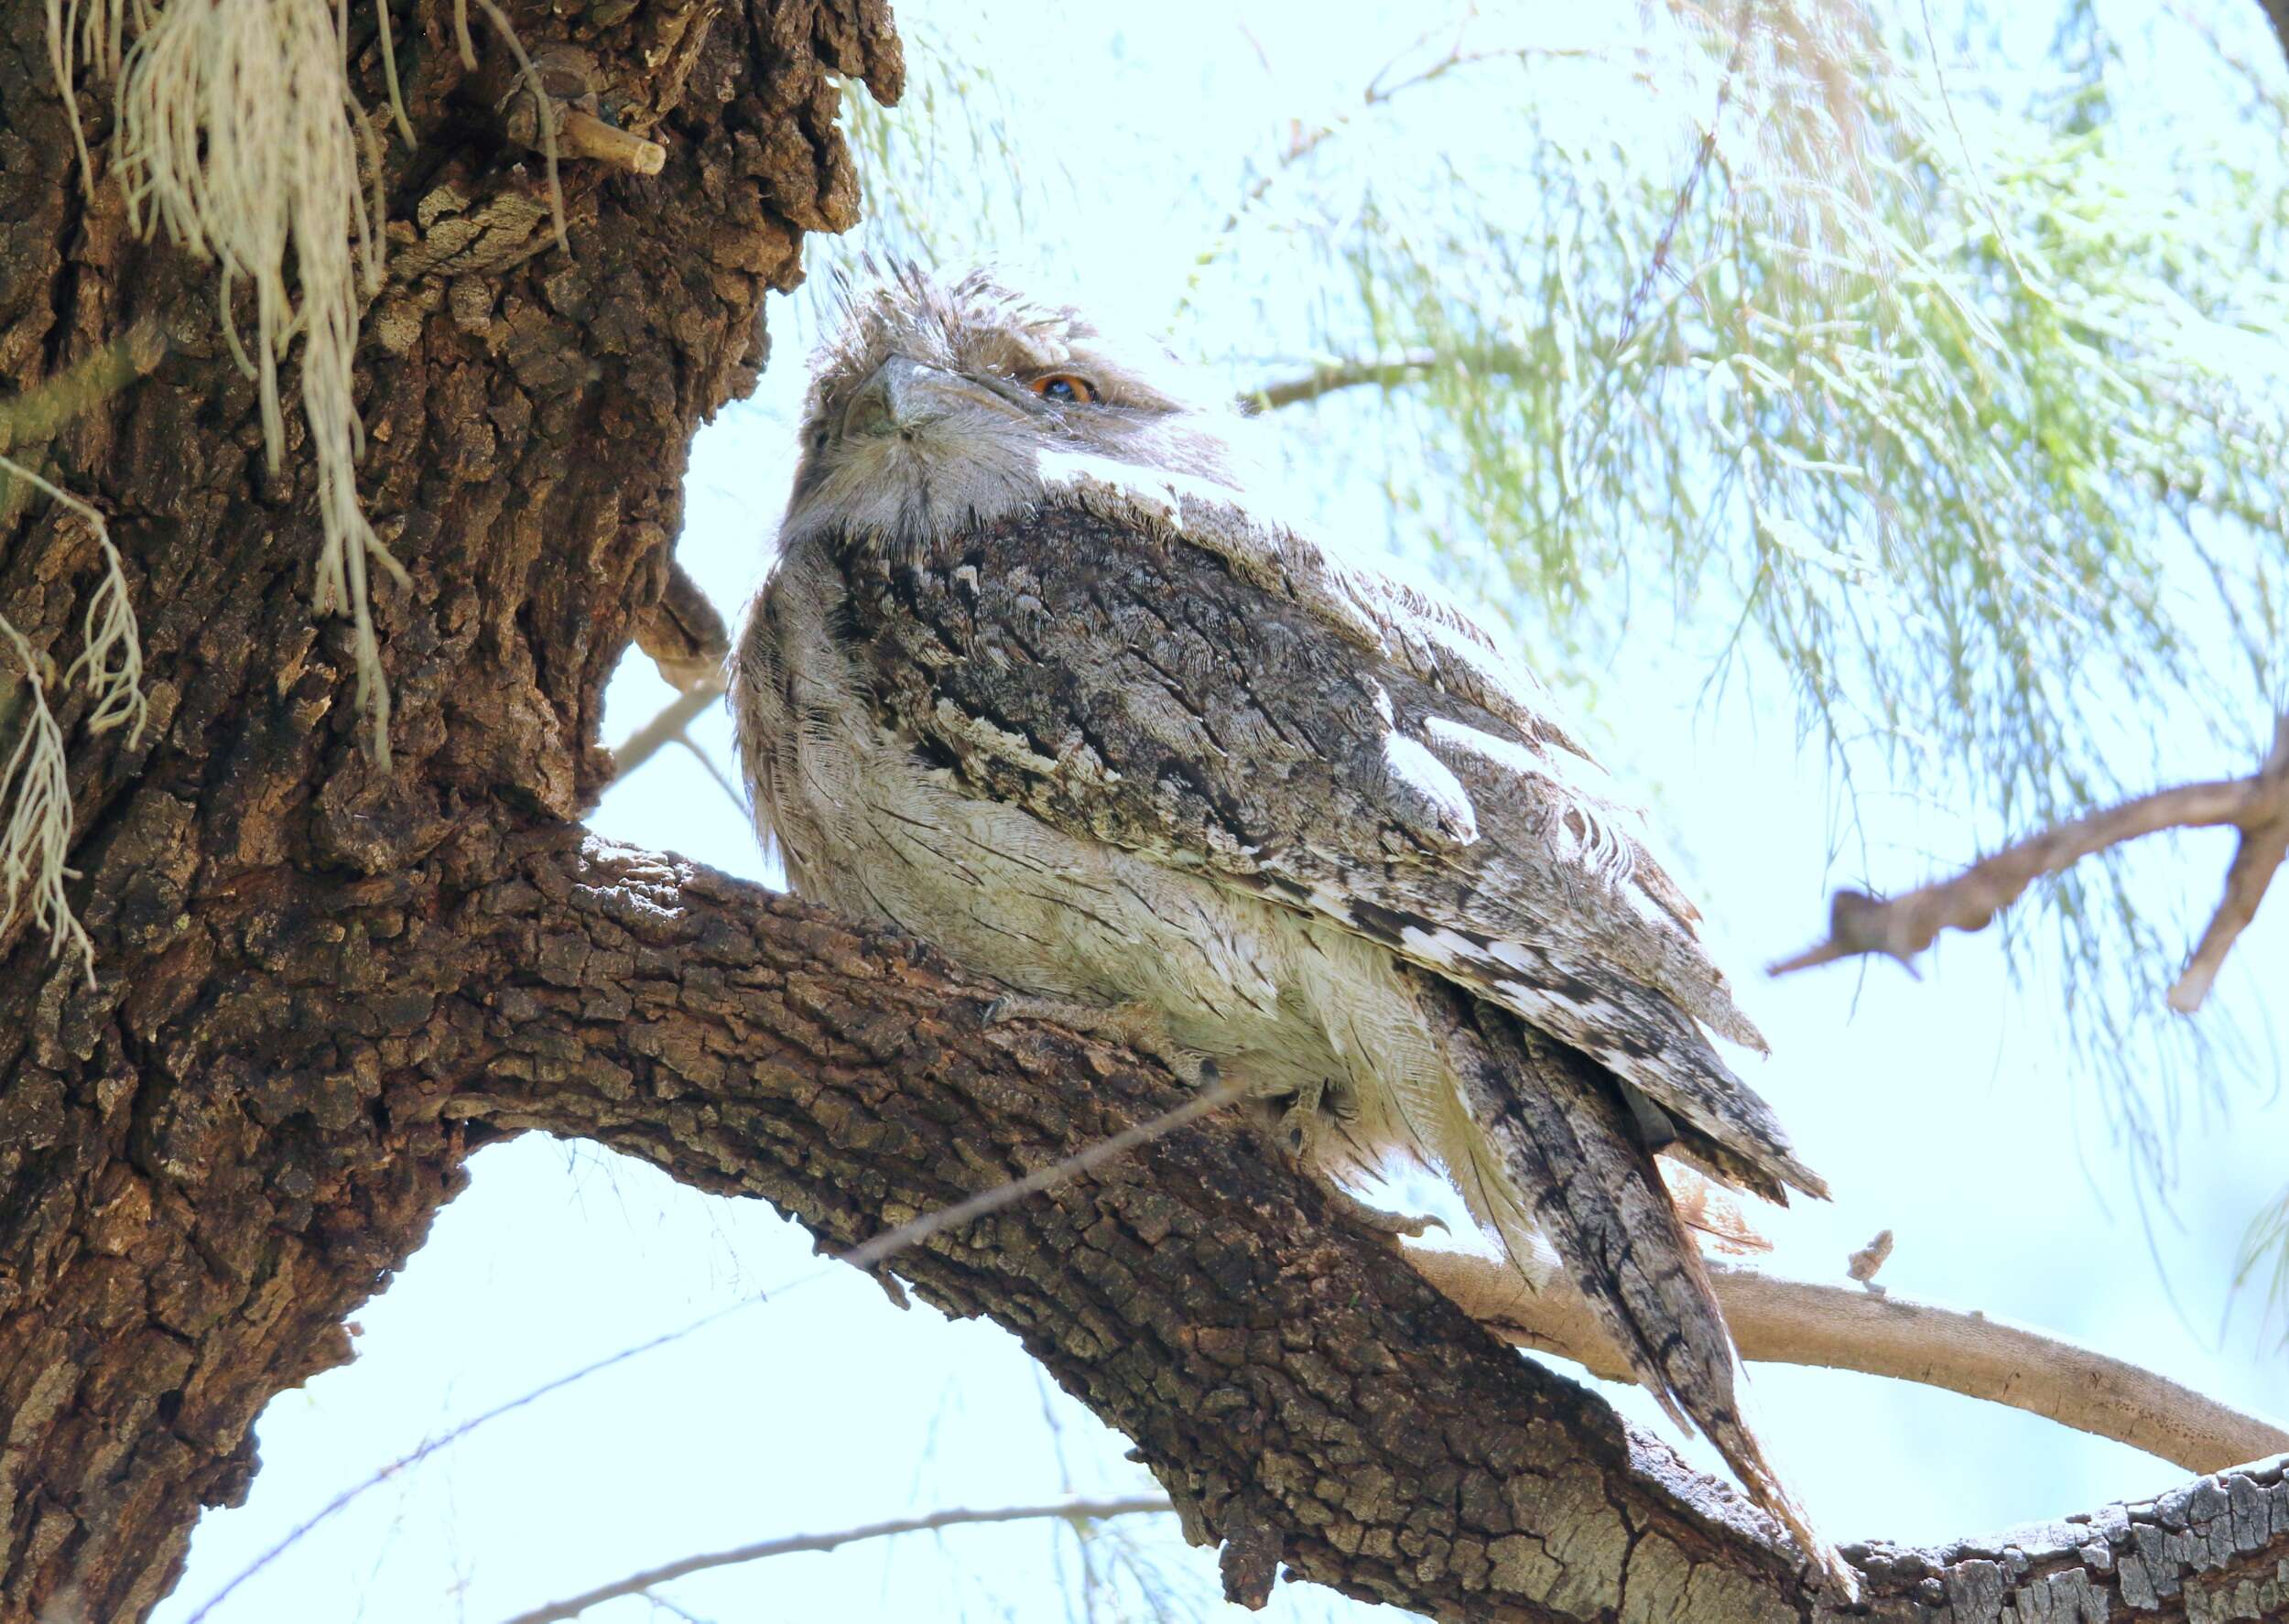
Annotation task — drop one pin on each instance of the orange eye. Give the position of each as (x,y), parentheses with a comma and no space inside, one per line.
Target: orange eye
(1065,389)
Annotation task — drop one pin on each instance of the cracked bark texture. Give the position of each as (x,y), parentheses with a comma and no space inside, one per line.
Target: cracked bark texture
(208,1160)
(322,985)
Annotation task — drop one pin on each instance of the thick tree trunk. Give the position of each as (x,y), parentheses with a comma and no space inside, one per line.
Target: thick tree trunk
(213,1157)
(321,984)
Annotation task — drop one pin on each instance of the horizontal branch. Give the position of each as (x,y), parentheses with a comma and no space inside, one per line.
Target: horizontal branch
(1493,361)
(1071,1510)
(1303,1395)
(1796,1321)
(2258,805)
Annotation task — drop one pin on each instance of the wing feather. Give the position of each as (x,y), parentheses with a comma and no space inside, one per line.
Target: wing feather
(1139,660)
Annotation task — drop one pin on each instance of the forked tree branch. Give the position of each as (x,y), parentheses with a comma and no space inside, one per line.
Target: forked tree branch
(1293,1383)
(667,726)
(2258,805)
(1796,1321)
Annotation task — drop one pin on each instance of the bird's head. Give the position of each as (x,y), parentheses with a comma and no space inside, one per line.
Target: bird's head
(940,406)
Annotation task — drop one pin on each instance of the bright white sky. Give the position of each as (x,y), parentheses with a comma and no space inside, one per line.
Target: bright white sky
(1937,1109)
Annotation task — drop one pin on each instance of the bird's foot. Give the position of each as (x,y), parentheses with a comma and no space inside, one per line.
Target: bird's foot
(1368,1216)
(1138,1026)
(1299,1130)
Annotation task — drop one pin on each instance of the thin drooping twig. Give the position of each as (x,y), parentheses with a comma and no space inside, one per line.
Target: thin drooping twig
(1702,157)
(1071,1510)
(715,773)
(1304,141)
(2258,805)
(895,1240)
(1593,444)
(1795,1322)
(865,1257)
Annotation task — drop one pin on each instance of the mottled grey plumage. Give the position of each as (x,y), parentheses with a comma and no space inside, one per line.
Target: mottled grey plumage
(1039,681)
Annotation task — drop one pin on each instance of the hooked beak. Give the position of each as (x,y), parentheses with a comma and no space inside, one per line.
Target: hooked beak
(898,399)
(904,397)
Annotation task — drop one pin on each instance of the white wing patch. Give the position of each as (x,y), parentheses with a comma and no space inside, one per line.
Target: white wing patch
(1442,806)
(1574,925)
(1573,825)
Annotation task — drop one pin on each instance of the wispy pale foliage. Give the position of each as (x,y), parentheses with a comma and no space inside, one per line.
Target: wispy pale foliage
(239,138)
(1772,331)
(2265,1259)
(36,815)
(948,170)
(1982,457)
(36,839)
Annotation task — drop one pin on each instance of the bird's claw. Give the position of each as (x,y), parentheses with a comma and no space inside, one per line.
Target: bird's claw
(1390,1226)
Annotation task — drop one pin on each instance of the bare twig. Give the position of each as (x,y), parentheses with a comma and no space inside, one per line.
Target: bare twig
(1743,30)
(1329,376)
(2258,805)
(585,137)
(707,766)
(1594,442)
(664,729)
(1105,1149)
(1380,94)
(1795,1321)
(1072,1510)
(1494,360)
(1306,140)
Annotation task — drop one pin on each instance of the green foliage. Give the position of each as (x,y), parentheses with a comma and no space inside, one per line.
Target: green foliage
(1986,458)
(1956,401)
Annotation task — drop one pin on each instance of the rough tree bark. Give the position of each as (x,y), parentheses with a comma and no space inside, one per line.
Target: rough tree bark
(322,985)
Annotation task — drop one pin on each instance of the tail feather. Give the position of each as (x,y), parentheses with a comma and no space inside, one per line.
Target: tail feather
(1570,1150)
